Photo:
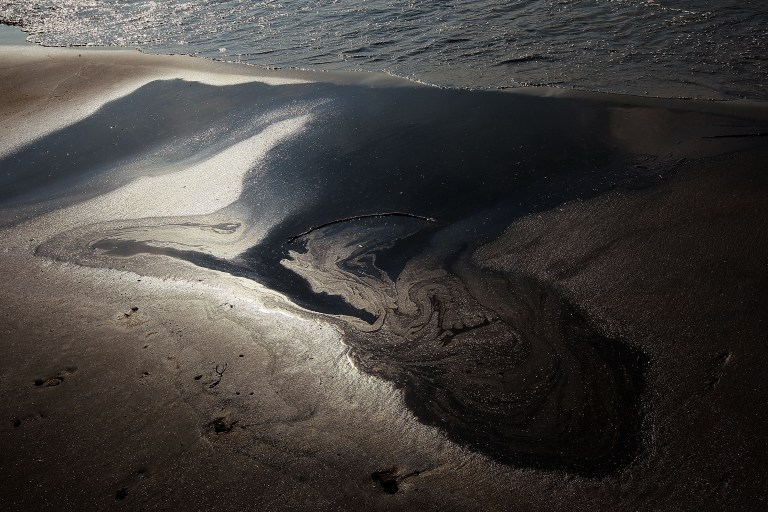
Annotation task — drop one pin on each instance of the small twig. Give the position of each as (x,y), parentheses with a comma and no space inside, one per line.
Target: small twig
(220,373)
(360,217)
(737,135)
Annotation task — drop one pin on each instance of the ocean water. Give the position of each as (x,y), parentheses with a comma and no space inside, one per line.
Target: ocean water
(682,48)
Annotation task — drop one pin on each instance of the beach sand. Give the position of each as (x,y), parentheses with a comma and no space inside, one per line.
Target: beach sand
(149,382)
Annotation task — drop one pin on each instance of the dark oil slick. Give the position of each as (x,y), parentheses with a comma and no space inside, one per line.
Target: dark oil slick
(380,206)
(503,365)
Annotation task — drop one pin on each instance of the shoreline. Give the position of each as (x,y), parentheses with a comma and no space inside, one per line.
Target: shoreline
(123,71)
(719,105)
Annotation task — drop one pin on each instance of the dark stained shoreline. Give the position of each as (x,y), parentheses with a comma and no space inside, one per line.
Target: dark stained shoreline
(474,162)
(522,269)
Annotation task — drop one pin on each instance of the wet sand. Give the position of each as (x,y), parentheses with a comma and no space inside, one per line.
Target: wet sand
(287,291)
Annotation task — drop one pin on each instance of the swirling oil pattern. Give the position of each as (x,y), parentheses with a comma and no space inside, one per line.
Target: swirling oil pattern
(367,205)
(690,48)
(503,365)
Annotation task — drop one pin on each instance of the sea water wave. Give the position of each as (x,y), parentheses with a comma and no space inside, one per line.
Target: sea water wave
(690,48)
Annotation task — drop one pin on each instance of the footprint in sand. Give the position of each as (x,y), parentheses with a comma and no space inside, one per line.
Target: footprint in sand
(55,380)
